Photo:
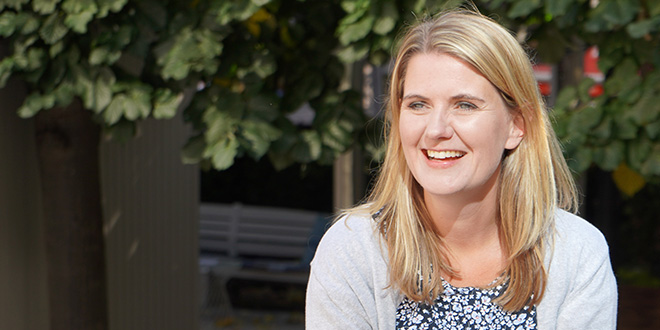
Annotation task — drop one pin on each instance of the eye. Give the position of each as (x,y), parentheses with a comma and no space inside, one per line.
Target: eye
(466,106)
(416,106)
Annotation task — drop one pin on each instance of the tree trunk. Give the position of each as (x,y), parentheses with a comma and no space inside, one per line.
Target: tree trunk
(68,153)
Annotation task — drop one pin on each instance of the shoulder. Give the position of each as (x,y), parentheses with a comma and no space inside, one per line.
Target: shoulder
(348,285)
(352,224)
(575,235)
(581,291)
(576,244)
(353,235)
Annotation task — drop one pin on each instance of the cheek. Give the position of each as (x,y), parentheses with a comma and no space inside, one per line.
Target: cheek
(409,130)
(489,140)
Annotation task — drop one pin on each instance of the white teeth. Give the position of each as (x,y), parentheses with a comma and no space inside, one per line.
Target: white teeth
(444,154)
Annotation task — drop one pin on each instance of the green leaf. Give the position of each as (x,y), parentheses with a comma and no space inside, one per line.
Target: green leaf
(53,29)
(223,153)
(56,49)
(523,8)
(581,160)
(78,22)
(653,130)
(610,157)
(603,131)
(625,129)
(230,104)
(351,6)
(7,23)
(309,148)
(280,152)
(653,7)
(354,9)
(103,55)
(308,87)
(651,167)
(567,98)
(79,13)
(34,103)
(357,31)
(259,135)
(610,56)
(239,10)
(338,135)
(641,28)
(557,7)
(6,66)
(134,104)
(105,6)
(260,3)
(29,23)
(166,103)
(584,119)
(646,110)
(116,108)
(624,77)
(263,107)
(611,13)
(102,91)
(44,7)
(96,93)
(386,20)
(264,64)
(353,53)
(78,6)
(189,51)
(220,125)
(36,58)
(15,4)
(138,103)
(63,94)
(638,152)
(193,150)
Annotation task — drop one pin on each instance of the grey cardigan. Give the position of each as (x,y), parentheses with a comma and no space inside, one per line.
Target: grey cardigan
(348,285)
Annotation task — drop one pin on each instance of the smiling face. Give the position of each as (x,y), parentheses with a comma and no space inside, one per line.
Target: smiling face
(454,127)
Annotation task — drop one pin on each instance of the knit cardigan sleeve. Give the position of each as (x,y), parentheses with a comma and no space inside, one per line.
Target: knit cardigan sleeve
(581,292)
(348,286)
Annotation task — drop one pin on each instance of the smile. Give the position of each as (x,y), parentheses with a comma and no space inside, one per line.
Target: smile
(444,155)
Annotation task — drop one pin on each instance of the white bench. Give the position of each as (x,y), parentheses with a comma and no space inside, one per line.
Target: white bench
(256,243)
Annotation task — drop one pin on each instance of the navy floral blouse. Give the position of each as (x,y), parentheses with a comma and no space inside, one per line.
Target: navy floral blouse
(463,308)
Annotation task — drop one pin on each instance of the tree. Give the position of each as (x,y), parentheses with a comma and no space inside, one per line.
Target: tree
(614,126)
(78,62)
(103,65)
(94,66)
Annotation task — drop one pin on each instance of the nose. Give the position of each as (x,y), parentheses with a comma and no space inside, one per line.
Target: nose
(439,125)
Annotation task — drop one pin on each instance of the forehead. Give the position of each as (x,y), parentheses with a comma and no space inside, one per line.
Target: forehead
(442,73)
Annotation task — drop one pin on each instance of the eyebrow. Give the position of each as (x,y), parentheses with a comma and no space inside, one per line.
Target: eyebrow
(453,98)
(467,97)
(414,96)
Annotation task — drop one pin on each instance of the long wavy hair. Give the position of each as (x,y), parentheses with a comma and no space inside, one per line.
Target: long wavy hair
(534,180)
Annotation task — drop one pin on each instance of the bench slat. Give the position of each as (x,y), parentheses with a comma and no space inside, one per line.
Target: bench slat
(261,232)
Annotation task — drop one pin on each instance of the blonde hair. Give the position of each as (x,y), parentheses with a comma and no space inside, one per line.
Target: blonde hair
(534,180)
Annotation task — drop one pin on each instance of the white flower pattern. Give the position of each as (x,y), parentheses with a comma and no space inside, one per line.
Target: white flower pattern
(464,309)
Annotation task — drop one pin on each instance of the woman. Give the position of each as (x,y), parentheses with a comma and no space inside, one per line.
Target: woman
(468,225)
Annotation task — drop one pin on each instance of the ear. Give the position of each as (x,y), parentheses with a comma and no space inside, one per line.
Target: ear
(517,131)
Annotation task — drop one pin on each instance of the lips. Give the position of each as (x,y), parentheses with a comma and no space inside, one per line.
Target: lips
(444,155)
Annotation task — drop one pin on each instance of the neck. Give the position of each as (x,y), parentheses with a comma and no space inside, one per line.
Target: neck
(468,221)
(471,233)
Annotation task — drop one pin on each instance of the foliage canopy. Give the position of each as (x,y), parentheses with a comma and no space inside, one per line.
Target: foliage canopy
(250,64)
